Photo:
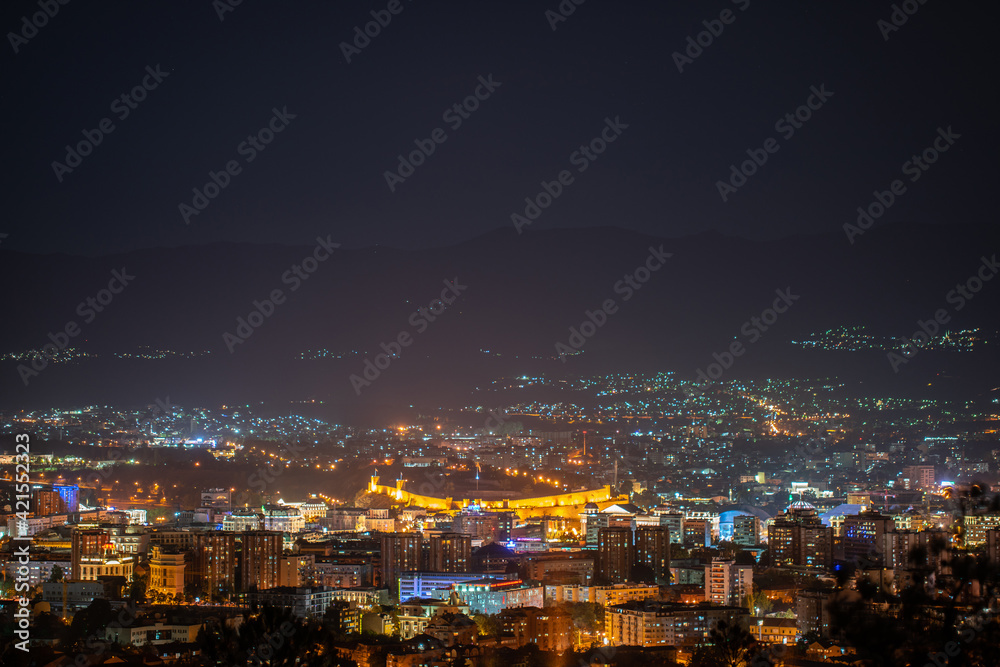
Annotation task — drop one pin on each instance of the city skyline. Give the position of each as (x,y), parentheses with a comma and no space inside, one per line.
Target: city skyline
(559,334)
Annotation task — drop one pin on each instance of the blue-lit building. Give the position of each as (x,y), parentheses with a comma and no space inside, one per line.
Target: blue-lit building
(423,584)
(70,494)
(491,596)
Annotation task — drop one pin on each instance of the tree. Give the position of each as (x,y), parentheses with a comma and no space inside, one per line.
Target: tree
(489,625)
(926,618)
(643,574)
(272,636)
(678,552)
(587,616)
(757,602)
(137,588)
(92,621)
(646,499)
(729,645)
(57,575)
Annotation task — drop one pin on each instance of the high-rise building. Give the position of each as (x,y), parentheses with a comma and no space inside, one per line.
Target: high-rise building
(213,562)
(615,554)
(976,526)
(590,523)
(298,570)
(993,545)
(260,558)
(166,571)
(674,522)
(484,527)
(45,502)
(505,525)
(727,583)
(899,547)
(698,532)
(746,530)
(450,552)
(799,539)
(400,553)
(70,494)
(652,549)
(812,611)
(87,544)
(235,561)
(918,477)
(651,623)
(862,535)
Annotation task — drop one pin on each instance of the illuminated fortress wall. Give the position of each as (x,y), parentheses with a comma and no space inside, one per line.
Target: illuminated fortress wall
(565,504)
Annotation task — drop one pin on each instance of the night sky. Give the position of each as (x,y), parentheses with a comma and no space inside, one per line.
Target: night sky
(324,172)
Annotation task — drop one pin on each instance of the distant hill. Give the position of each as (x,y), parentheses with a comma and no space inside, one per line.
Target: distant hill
(523,293)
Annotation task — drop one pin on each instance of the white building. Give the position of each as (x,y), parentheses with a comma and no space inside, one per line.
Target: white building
(38,571)
(727,583)
(243,519)
(154,633)
(284,519)
(77,594)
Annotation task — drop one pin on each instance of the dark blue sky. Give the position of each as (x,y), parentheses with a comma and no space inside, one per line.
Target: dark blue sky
(324,173)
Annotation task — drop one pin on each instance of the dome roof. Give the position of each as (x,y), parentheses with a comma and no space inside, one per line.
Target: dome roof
(800,505)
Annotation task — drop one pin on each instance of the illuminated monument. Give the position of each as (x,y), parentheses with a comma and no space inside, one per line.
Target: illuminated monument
(569,505)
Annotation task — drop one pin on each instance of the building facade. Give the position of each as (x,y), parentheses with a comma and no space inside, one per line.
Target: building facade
(651,623)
